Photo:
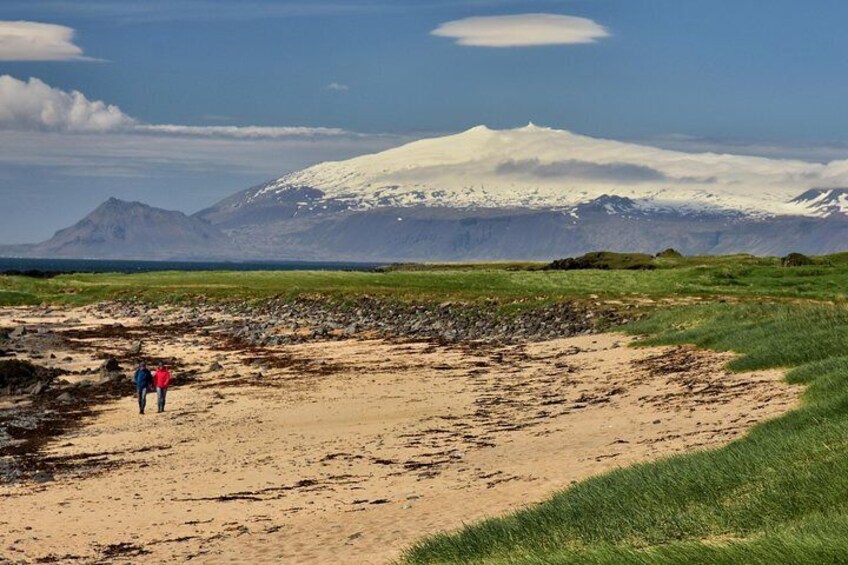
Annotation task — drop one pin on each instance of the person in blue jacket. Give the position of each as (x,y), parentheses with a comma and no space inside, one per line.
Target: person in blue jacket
(143,381)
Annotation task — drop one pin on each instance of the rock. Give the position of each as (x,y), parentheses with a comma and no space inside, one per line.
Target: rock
(135,348)
(17,332)
(110,366)
(23,377)
(110,377)
(43,477)
(669,253)
(796,260)
(39,387)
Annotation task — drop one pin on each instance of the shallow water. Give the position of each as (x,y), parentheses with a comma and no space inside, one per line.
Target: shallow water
(113,266)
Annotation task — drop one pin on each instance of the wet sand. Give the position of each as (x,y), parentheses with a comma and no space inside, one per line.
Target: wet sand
(348,451)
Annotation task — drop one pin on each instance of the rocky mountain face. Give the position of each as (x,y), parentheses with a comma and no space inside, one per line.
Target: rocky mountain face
(132,230)
(526,193)
(824,202)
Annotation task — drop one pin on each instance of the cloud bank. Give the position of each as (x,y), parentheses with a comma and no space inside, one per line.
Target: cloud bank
(522,30)
(36,106)
(35,41)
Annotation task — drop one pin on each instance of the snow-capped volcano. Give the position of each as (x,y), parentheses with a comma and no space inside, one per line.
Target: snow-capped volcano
(542,168)
(518,194)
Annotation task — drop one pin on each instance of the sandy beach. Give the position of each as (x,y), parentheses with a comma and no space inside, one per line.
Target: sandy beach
(349,450)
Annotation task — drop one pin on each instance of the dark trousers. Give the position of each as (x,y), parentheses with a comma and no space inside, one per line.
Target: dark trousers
(142,399)
(161,392)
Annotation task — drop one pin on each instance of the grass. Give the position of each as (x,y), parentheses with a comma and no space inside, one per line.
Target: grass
(743,277)
(779,495)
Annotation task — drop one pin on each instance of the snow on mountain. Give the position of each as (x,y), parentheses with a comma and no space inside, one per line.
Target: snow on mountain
(542,168)
(824,201)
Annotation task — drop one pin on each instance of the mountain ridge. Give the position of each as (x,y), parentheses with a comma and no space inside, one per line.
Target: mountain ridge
(119,229)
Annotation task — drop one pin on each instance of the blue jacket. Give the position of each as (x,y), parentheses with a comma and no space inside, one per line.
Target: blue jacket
(143,379)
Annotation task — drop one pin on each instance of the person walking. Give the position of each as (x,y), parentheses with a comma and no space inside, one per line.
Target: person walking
(143,381)
(161,380)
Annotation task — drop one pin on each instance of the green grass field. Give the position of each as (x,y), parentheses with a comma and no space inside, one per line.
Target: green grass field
(743,277)
(779,495)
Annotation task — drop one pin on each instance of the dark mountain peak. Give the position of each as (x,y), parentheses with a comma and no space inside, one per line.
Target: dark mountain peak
(121,229)
(117,203)
(609,204)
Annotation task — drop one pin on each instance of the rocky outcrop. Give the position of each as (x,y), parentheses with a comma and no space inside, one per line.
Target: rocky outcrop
(23,377)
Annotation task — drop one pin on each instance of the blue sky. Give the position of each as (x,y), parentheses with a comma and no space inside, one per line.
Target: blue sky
(745,74)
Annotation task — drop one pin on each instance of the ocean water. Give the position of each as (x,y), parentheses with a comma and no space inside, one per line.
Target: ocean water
(109,266)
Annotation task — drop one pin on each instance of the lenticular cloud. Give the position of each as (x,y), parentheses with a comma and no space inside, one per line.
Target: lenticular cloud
(522,30)
(36,41)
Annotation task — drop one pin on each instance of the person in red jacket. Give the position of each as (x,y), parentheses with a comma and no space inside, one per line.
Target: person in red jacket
(161,380)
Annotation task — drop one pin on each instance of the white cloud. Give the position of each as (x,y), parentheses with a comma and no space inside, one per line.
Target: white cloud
(338,87)
(46,127)
(35,41)
(36,106)
(522,30)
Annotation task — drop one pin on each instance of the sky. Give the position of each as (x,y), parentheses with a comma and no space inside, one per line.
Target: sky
(179,103)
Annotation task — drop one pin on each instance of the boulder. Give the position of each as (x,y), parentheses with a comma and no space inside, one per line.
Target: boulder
(669,253)
(23,377)
(796,260)
(110,366)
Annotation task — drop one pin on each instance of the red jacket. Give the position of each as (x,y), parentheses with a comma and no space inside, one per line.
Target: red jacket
(162,378)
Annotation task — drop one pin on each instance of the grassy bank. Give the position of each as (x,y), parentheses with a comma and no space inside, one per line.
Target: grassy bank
(738,276)
(780,495)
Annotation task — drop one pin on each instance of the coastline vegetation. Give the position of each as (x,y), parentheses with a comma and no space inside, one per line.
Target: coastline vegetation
(779,495)
(741,277)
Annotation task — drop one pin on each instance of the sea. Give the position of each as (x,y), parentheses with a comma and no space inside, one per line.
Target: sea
(54,266)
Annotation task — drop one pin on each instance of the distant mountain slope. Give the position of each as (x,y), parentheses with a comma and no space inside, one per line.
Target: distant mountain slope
(448,234)
(132,230)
